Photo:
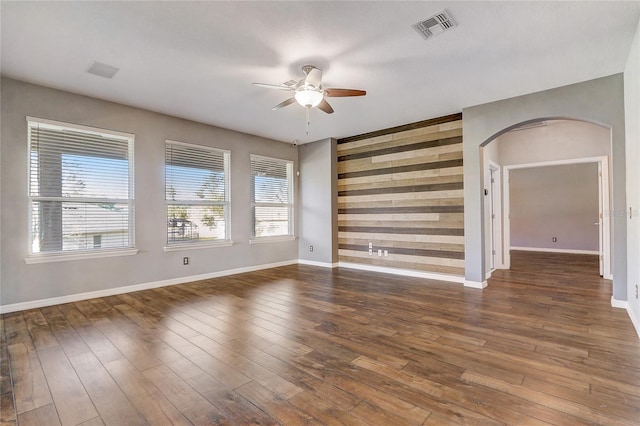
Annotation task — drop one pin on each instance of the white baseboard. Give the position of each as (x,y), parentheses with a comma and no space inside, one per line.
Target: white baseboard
(475,284)
(552,250)
(404,272)
(634,320)
(623,304)
(316,263)
(14,307)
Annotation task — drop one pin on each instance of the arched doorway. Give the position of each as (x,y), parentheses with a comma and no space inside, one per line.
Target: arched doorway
(599,101)
(560,191)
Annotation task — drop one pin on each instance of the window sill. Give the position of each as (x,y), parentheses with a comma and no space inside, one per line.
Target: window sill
(277,239)
(47,258)
(197,246)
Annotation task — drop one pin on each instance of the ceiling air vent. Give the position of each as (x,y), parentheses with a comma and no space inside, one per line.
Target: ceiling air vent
(102,70)
(435,25)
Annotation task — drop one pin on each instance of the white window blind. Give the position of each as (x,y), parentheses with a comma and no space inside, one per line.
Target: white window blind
(80,188)
(271,197)
(197,193)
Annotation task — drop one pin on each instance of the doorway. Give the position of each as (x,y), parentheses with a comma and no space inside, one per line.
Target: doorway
(601,221)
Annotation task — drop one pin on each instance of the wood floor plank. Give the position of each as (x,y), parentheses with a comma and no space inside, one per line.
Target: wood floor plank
(144,395)
(96,421)
(194,407)
(305,345)
(42,416)
(69,395)
(282,411)
(112,405)
(41,334)
(254,371)
(8,414)
(229,402)
(66,335)
(30,387)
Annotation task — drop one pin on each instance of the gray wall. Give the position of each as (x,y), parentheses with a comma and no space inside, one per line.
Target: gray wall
(557,140)
(598,101)
(318,202)
(22,282)
(555,201)
(632,111)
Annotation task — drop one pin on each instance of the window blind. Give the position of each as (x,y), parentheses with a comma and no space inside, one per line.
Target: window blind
(197,193)
(271,197)
(80,188)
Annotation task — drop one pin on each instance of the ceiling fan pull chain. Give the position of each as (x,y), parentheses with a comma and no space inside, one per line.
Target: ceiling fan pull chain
(308,120)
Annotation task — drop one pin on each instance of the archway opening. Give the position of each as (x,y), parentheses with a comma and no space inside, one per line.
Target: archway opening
(547,189)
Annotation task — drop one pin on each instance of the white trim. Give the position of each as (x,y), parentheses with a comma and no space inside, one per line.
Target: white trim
(475,284)
(554,250)
(275,239)
(316,263)
(623,304)
(557,162)
(93,254)
(404,272)
(506,219)
(634,320)
(195,246)
(60,125)
(197,146)
(488,274)
(4,309)
(496,195)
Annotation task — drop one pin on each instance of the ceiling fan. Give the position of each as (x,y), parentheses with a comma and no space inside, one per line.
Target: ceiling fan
(309,93)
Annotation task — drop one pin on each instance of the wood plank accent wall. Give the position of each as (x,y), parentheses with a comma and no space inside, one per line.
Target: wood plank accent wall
(402,190)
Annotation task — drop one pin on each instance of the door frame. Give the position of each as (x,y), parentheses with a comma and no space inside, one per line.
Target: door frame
(495,208)
(604,208)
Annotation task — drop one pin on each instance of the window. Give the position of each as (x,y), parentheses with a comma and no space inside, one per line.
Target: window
(271,197)
(197,194)
(80,188)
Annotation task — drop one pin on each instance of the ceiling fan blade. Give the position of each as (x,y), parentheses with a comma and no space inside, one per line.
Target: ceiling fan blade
(336,93)
(324,106)
(284,104)
(314,77)
(273,86)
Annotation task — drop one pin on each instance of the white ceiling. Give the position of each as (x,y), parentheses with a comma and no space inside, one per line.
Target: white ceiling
(197,60)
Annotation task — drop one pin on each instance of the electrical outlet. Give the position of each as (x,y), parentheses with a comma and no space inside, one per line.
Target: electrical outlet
(380,252)
(185,260)
(386,253)
(370,252)
(311,248)
(555,239)
(370,245)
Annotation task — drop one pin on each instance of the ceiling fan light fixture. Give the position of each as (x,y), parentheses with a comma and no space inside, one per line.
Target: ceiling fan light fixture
(308,98)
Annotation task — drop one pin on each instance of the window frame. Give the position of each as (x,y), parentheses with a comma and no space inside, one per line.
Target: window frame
(227,241)
(291,204)
(89,253)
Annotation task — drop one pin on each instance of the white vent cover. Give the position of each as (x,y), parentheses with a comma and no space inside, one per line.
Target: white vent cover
(103,70)
(434,25)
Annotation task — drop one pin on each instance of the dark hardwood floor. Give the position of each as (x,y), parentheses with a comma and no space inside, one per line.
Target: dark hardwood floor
(307,345)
